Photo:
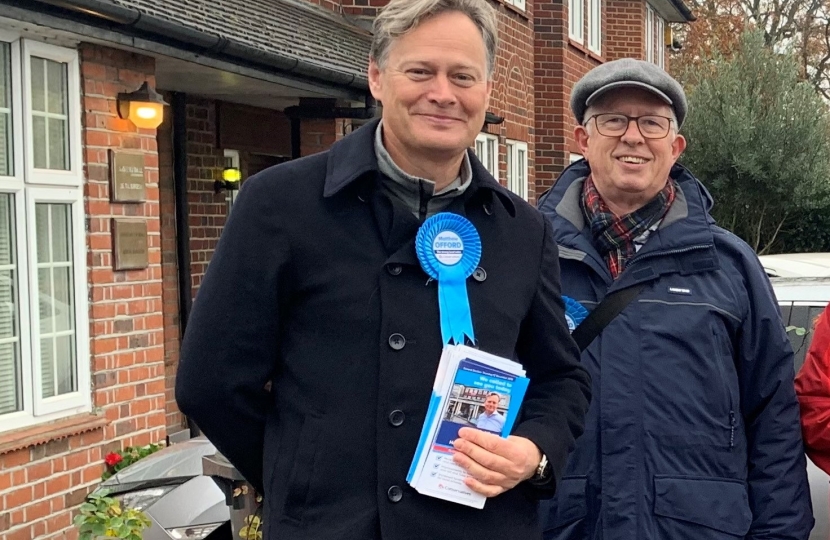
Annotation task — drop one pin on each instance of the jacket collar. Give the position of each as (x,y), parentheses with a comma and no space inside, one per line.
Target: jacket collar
(686,227)
(353,156)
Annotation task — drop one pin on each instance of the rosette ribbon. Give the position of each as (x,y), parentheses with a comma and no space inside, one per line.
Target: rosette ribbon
(449,249)
(575,312)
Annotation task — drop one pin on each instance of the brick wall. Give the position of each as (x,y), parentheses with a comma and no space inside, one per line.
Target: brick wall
(513,88)
(56,465)
(318,135)
(208,210)
(625,29)
(169,271)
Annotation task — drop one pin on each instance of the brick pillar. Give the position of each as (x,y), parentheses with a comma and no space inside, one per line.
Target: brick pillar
(625,29)
(208,210)
(318,135)
(551,107)
(169,271)
(126,338)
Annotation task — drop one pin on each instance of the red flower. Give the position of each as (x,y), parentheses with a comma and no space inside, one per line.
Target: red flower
(113,459)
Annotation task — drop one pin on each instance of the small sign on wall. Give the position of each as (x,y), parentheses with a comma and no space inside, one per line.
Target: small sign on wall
(127,180)
(130,244)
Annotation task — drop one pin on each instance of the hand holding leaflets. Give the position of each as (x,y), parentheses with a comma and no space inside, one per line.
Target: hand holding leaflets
(470,387)
(494,464)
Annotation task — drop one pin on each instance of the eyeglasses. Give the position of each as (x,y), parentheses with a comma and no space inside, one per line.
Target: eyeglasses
(651,126)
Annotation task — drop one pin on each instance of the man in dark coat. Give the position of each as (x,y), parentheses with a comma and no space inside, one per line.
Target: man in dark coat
(316,287)
(694,430)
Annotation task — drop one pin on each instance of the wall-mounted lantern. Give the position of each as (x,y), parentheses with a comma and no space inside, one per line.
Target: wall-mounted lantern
(231,176)
(144,107)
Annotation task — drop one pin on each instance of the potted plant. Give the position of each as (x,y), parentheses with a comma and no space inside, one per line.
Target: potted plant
(101,517)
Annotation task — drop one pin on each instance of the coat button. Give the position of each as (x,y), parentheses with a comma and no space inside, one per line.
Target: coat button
(394,269)
(396,418)
(395,494)
(479,274)
(397,341)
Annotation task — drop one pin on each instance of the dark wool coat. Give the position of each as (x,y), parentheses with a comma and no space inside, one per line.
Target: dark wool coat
(316,287)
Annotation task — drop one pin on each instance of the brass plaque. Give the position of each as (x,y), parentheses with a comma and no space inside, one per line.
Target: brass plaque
(129,239)
(127,177)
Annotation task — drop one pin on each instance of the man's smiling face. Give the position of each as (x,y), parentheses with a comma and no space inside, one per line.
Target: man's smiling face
(629,170)
(434,87)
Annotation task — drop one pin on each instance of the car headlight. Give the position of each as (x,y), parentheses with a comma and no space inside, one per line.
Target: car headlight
(196,532)
(144,498)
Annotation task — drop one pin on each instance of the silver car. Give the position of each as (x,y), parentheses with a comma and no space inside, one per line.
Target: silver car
(169,486)
(801,300)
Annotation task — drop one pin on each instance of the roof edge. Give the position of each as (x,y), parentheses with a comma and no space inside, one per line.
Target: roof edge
(134,22)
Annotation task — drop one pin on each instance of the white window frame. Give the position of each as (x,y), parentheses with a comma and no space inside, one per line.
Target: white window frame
(80,399)
(73,176)
(595,26)
(660,39)
(649,41)
(518,4)
(576,20)
(515,170)
(30,186)
(490,145)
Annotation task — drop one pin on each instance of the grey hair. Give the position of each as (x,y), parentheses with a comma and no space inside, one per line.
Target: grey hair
(401,16)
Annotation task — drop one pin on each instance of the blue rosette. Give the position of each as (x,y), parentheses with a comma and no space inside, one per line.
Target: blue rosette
(575,312)
(449,249)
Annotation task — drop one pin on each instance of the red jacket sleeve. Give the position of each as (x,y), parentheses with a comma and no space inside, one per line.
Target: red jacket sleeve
(813,388)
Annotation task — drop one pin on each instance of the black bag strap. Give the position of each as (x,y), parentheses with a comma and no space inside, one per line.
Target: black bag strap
(611,306)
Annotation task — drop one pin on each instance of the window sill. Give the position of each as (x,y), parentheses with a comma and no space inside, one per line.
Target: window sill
(584,50)
(51,431)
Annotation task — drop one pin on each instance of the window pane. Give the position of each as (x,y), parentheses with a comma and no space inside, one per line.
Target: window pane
(491,156)
(56,87)
(38,84)
(56,299)
(11,396)
(58,143)
(65,360)
(50,120)
(62,305)
(7,229)
(60,233)
(47,368)
(6,141)
(10,383)
(45,304)
(40,143)
(42,233)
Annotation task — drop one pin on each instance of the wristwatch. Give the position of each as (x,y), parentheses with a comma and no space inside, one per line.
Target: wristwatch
(542,471)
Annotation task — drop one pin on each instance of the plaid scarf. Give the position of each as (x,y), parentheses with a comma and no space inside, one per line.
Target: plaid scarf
(615,237)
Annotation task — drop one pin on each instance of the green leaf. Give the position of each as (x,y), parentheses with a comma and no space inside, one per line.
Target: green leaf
(99,529)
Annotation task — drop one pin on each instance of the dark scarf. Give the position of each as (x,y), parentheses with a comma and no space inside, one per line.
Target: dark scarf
(614,236)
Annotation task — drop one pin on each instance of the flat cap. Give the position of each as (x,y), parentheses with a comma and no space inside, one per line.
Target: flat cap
(627,73)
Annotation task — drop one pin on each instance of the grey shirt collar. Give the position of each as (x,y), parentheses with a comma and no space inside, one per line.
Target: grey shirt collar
(411,190)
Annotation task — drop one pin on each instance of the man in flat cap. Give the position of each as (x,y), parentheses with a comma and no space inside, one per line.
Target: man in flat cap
(693,432)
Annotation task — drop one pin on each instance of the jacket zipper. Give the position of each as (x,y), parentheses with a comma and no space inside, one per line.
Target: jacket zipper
(677,251)
(424,199)
(731,429)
